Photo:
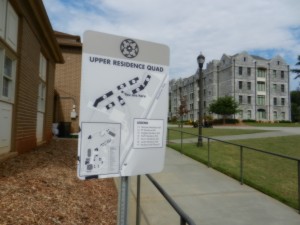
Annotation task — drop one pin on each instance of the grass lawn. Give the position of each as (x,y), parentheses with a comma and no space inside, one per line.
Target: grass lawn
(208,132)
(272,175)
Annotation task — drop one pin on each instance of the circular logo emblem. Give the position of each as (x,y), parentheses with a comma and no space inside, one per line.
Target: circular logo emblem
(129,48)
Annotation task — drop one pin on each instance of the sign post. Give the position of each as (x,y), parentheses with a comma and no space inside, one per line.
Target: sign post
(123,107)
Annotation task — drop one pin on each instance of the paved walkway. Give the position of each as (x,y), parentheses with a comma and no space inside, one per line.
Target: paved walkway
(207,196)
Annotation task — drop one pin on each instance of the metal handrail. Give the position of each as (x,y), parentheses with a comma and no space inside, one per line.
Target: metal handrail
(241,156)
(184,218)
(254,149)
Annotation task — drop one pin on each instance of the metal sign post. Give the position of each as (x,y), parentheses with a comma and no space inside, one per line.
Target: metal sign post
(123,201)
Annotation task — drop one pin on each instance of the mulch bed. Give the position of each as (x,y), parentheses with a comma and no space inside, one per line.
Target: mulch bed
(41,187)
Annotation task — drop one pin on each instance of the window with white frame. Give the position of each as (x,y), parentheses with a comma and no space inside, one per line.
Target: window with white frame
(7,76)
(241,114)
(249,85)
(240,70)
(261,72)
(249,71)
(283,115)
(42,84)
(261,99)
(240,99)
(249,99)
(275,115)
(261,86)
(275,101)
(261,113)
(240,85)
(8,24)
(249,114)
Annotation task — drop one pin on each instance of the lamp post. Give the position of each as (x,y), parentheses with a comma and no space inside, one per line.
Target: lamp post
(200,60)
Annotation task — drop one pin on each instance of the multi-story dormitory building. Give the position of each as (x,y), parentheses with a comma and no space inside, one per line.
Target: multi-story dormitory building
(29,53)
(260,86)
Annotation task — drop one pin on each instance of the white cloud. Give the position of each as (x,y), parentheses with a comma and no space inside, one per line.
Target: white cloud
(188,27)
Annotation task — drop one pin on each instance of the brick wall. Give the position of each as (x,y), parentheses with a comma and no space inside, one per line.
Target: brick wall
(27,89)
(50,101)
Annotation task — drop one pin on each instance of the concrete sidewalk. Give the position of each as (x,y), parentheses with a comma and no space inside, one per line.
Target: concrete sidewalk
(207,196)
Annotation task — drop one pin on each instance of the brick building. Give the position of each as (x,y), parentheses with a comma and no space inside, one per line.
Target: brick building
(28,56)
(259,85)
(67,82)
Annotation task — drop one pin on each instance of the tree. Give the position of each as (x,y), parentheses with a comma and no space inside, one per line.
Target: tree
(182,110)
(224,106)
(295,106)
(297,71)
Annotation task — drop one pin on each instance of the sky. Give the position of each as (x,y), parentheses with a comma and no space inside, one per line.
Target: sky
(261,27)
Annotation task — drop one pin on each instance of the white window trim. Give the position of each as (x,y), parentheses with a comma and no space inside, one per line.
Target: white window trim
(12,24)
(11,97)
(42,88)
(3,4)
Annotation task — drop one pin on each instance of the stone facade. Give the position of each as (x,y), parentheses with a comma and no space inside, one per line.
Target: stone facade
(260,86)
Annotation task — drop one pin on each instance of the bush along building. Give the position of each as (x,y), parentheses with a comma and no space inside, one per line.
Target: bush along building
(260,86)
(29,53)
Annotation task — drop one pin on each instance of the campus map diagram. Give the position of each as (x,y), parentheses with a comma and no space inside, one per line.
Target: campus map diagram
(107,145)
(123,106)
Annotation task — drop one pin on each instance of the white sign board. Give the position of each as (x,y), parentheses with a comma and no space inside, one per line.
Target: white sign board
(123,106)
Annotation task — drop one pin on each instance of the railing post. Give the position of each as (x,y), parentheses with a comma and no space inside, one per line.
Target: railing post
(208,152)
(181,141)
(138,200)
(299,186)
(182,221)
(241,165)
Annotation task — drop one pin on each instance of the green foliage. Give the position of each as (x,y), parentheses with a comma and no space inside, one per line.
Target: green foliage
(224,106)
(173,119)
(297,71)
(295,106)
(249,121)
(227,121)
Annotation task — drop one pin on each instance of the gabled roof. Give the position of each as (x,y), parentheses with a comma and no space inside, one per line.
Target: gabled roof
(65,39)
(258,57)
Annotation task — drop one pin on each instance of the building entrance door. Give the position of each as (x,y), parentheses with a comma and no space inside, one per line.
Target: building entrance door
(5,127)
